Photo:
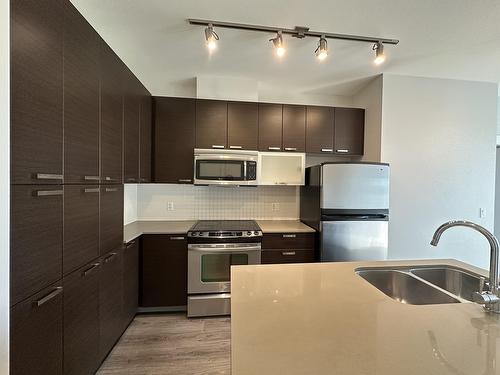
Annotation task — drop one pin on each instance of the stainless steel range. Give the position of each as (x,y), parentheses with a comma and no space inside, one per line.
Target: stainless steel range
(213,247)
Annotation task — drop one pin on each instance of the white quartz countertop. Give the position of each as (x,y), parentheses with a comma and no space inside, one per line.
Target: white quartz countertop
(137,228)
(322,318)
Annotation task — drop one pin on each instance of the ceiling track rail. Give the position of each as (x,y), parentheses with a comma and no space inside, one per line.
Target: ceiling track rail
(297,32)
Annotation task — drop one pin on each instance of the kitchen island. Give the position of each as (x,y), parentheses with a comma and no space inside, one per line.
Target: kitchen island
(322,318)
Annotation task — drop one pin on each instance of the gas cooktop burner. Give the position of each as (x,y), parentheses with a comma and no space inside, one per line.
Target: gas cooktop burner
(225,229)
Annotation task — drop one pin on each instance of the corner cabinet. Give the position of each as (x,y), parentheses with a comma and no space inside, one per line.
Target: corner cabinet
(281,168)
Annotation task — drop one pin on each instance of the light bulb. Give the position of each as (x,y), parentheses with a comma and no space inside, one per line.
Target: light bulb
(278,45)
(211,44)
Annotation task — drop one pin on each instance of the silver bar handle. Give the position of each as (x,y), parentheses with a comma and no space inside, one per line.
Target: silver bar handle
(185,180)
(91,269)
(109,190)
(58,290)
(342,150)
(48,176)
(143,180)
(177,238)
(218,146)
(327,150)
(289,235)
(272,148)
(288,253)
(47,193)
(290,148)
(236,147)
(131,179)
(91,178)
(109,258)
(91,190)
(111,179)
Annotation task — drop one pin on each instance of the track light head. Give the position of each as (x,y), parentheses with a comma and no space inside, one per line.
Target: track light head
(322,49)
(211,37)
(379,53)
(278,44)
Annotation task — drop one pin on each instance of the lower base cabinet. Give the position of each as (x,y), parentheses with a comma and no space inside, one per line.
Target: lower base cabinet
(287,256)
(130,299)
(36,338)
(288,248)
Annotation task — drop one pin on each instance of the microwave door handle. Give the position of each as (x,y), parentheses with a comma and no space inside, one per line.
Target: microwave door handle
(244,171)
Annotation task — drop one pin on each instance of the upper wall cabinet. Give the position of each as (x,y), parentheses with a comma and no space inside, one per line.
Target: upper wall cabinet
(146,137)
(36,44)
(294,128)
(270,127)
(242,125)
(81,99)
(111,115)
(211,124)
(349,131)
(131,123)
(319,129)
(174,128)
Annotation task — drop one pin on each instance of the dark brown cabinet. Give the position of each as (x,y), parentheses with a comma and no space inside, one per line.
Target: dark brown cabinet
(110,300)
(270,127)
(174,126)
(81,320)
(81,99)
(111,131)
(81,226)
(242,125)
(111,217)
(164,270)
(211,124)
(349,131)
(131,124)
(287,256)
(288,248)
(36,238)
(36,334)
(36,45)
(130,282)
(294,128)
(146,137)
(319,129)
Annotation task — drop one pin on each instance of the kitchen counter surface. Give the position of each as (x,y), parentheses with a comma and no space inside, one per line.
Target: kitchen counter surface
(284,226)
(322,318)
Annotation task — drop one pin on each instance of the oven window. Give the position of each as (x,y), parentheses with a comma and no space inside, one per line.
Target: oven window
(217,267)
(220,170)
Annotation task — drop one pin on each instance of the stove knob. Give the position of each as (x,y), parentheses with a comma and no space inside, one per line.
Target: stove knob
(256,233)
(249,233)
(194,234)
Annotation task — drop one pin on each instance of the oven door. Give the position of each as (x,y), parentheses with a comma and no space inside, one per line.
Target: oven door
(209,265)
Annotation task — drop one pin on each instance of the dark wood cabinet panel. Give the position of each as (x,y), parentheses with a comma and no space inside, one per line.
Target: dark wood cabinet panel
(36,45)
(81,225)
(319,129)
(242,125)
(81,320)
(111,130)
(111,218)
(130,282)
(294,128)
(211,123)
(288,241)
(287,256)
(349,131)
(270,127)
(81,99)
(174,139)
(131,124)
(164,270)
(110,300)
(146,137)
(36,239)
(36,334)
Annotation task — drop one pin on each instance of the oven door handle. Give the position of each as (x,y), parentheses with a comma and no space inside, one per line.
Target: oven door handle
(232,250)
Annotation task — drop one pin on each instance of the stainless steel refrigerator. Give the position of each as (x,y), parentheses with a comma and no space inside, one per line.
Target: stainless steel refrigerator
(348,204)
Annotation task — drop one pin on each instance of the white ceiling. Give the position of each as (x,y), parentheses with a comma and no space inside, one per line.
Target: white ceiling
(438,38)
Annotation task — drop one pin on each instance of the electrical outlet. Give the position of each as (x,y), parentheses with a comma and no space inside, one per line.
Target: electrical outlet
(276,206)
(170,206)
(482,213)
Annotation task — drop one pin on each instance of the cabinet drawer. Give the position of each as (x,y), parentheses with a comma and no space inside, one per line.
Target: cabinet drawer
(288,241)
(287,256)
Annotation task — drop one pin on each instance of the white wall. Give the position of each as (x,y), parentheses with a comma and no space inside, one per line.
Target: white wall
(129,203)
(497,195)
(4,187)
(439,137)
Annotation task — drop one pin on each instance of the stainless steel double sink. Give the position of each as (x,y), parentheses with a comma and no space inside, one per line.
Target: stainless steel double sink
(426,285)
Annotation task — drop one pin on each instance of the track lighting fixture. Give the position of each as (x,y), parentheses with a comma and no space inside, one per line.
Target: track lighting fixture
(278,44)
(379,53)
(211,37)
(322,50)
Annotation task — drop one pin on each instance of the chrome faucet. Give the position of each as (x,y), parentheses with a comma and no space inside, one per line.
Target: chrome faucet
(491,298)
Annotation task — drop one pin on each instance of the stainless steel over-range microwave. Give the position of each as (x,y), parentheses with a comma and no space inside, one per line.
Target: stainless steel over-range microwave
(225,167)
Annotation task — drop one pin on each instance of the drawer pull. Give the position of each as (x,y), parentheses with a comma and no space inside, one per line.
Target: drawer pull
(110,190)
(274,148)
(343,151)
(177,238)
(218,146)
(236,147)
(48,176)
(290,148)
(327,150)
(91,190)
(185,180)
(289,235)
(111,179)
(143,180)
(58,290)
(46,193)
(109,258)
(91,178)
(131,179)
(88,271)
(288,253)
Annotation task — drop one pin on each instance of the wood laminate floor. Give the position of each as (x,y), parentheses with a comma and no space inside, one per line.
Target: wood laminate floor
(172,344)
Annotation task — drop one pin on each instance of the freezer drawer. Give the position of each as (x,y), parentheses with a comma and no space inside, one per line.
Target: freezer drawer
(353,240)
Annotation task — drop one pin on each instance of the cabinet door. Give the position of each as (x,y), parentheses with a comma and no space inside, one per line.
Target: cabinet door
(81,320)
(174,139)
(111,218)
(294,128)
(81,226)
(36,46)
(146,138)
(131,120)
(81,99)
(281,168)
(110,301)
(242,125)
(36,334)
(130,282)
(270,127)
(349,131)
(164,270)
(111,116)
(287,256)
(35,239)
(211,124)
(319,129)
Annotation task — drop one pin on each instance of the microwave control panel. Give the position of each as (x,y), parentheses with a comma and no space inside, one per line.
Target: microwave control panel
(251,170)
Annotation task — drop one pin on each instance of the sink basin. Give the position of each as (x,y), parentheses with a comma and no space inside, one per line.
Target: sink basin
(405,288)
(453,280)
